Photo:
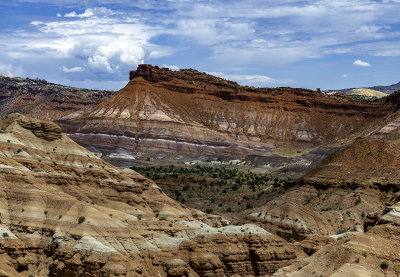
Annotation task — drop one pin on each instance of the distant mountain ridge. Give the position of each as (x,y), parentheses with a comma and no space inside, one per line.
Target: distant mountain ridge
(41,99)
(385,89)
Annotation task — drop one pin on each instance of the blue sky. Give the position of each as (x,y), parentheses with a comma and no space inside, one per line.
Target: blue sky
(312,44)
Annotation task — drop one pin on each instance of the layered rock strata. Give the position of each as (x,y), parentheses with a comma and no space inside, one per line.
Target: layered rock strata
(177,114)
(351,197)
(65,212)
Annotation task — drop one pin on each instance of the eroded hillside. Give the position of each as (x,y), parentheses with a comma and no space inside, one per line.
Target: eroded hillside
(183,115)
(353,198)
(65,212)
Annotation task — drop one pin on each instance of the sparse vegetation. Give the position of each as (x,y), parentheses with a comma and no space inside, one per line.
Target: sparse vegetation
(81,219)
(216,188)
(384,264)
(5,235)
(340,231)
(365,254)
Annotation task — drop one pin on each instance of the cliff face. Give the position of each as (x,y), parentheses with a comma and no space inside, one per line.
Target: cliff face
(65,212)
(40,99)
(190,114)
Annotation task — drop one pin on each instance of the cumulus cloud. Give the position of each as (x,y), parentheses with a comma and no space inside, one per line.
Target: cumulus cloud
(229,36)
(345,76)
(11,70)
(252,80)
(172,67)
(101,11)
(361,63)
(72,69)
(105,44)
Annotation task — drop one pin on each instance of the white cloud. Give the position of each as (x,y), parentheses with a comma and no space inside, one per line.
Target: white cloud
(345,76)
(361,63)
(101,11)
(100,63)
(72,69)
(11,70)
(172,67)
(106,45)
(252,80)
(228,36)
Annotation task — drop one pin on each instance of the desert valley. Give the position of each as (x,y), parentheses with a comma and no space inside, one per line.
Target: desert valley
(199,138)
(259,181)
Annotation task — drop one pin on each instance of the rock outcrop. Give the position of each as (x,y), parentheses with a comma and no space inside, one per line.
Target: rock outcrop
(41,99)
(65,212)
(186,114)
(43,129)
(352,197)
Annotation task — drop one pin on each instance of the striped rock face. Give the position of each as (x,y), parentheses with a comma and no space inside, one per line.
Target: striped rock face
(352,197)
(172,115)
(65,212)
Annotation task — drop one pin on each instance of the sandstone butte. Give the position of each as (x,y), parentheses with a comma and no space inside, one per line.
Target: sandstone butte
(65,212)
(185,115)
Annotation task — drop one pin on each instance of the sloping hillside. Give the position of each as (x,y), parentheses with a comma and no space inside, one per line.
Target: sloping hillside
(65,212)
(41,99)
(366,92)
(186,114)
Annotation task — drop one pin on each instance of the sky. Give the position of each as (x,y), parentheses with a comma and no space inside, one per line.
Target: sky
(310,44)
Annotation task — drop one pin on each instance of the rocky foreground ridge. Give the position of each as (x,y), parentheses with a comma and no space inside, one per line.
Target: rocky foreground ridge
(353,197)
(41,99)
(187,114)
(65,212)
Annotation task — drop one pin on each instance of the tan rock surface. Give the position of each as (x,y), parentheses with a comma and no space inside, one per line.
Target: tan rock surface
(354,192)
(65,212)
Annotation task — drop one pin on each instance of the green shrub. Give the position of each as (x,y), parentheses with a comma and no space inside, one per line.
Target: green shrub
(384,264)
(81,219)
